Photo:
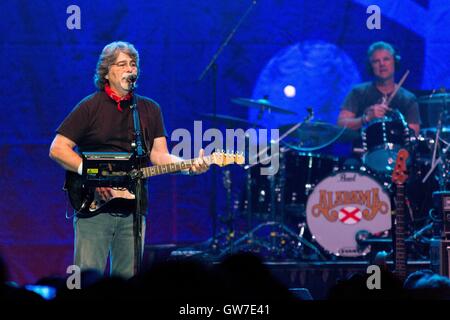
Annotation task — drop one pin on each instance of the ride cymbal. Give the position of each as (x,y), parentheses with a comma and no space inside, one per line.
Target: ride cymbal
(262,104)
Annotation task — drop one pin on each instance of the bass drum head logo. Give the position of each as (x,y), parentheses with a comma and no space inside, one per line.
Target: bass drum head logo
(343,204)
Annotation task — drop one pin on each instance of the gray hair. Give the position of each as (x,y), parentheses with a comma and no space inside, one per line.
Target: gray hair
(108,57)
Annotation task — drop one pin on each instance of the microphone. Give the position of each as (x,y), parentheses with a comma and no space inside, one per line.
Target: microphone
(131,77)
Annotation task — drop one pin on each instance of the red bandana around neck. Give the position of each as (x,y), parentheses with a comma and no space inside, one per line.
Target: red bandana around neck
(115,97)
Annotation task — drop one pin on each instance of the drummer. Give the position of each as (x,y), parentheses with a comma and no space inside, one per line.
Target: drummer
(366,101)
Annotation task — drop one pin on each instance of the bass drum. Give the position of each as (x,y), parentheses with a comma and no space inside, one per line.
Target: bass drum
(343,205)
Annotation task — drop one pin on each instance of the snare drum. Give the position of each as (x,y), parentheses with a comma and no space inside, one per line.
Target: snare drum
(344,204)
(382,139)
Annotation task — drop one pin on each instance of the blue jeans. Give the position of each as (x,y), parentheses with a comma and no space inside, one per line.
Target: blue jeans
(102,235)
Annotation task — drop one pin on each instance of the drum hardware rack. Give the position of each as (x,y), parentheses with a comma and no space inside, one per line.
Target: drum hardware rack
(276,228)
(281,238)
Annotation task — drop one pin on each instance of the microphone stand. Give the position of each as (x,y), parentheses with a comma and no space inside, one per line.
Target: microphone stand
(212,64)
(227,40)
(139,152)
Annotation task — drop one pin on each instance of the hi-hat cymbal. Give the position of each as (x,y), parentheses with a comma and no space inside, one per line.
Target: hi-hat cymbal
(228,120)
(318,133)
(438,98)
(262,104)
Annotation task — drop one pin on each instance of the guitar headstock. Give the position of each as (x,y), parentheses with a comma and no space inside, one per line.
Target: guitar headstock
(399,175)
(226,158)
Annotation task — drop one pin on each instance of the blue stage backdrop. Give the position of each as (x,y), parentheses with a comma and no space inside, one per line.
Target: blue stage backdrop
(319,47)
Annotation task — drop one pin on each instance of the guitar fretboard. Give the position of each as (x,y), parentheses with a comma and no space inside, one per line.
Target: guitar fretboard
(400,246)
(170,167)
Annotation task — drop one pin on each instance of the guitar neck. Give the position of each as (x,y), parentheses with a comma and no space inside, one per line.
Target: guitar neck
(170,167)
(400,245)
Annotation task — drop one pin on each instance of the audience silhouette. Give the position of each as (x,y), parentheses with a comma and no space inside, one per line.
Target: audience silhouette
(240,278)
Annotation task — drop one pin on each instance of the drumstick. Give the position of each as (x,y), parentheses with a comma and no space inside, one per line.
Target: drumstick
(397,87)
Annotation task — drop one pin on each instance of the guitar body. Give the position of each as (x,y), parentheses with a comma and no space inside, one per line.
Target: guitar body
(79,196)
(84,200)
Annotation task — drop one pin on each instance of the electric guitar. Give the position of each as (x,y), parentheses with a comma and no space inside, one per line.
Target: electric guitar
(87,202)
(399,177)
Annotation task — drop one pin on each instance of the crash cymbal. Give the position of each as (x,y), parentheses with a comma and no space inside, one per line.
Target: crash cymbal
(228,120)
(437,98)
(318,133)
(262,104)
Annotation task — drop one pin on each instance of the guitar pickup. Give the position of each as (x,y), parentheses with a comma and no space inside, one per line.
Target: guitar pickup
(106,173)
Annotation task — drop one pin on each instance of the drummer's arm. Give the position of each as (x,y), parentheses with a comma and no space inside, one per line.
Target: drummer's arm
(415,127)
(348,119)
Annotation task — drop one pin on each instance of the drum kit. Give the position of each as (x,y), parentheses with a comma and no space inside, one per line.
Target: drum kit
(320,206)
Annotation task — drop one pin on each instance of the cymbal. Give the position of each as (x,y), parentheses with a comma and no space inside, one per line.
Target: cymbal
(433,130)
(261,104)
(228,120)
(318,133)
(438,98)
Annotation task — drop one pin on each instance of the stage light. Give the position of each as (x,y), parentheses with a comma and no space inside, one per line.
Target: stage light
(289,91)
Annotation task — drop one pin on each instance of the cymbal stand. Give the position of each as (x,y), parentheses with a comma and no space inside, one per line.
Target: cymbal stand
(435,162)
(228,220)
(213,65)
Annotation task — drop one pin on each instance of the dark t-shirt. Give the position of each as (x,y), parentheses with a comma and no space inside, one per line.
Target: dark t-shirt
(366,94)
(96,125)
